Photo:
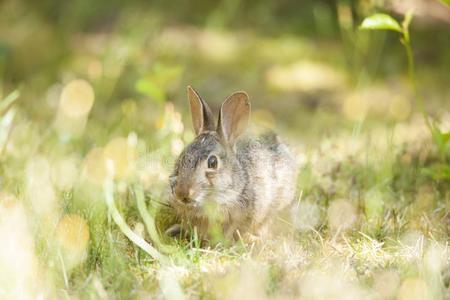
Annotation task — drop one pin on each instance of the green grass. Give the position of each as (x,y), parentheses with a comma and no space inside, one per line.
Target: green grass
(399,229)
(372,218)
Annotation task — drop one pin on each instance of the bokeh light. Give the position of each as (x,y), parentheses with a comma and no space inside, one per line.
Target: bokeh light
(247,281)
(317,284)
(400,108)
(72,235)
(95,166)
(122,154)
(75,103)
(413,289)
(19,276)
(305,216)
(341,215)
(386,283)
(304,76)
(169,285)
(65,172)
(77,98)
(436,257)
(355,107)
(217,46)
(39,188)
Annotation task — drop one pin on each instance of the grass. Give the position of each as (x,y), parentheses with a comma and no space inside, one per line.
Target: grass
(369,223)
(84,176)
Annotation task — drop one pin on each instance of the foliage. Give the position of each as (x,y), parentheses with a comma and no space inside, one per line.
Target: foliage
(380,22)
(386,22)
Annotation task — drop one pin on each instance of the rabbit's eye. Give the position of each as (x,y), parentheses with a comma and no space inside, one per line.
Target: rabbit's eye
(212,162)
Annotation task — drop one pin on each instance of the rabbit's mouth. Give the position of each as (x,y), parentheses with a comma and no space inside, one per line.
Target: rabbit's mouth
(205,202)
(188,203)
(189,210)
(185,206)
(195,206)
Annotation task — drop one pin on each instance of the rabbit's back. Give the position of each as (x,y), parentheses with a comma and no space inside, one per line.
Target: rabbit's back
(270,175)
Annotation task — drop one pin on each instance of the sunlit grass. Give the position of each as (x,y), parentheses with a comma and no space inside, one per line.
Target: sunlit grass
(359,229)
(85,166)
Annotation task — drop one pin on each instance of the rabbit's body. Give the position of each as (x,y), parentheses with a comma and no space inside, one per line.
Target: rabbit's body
(270,176)
(221,182)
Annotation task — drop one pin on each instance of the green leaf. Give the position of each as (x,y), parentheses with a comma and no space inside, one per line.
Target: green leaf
(446,2)
(150,88)
(380,22)
(158,81)
(446,137)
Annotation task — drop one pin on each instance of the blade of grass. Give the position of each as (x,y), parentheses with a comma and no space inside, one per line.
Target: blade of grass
(108,189)
(5,128)
(149,220)
(6,103)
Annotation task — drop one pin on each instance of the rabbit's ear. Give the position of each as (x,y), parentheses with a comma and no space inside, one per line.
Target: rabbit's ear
(233,117)
(202,117)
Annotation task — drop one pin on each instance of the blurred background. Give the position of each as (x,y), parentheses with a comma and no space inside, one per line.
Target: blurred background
(85,82)
(301,60)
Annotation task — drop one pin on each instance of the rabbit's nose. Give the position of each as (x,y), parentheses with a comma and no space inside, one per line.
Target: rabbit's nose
(186,200)
(184,194)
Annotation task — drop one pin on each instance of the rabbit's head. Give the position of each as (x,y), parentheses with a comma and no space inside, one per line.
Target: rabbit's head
(207,171)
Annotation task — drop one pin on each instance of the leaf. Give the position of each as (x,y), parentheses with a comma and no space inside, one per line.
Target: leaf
(447,2)
(446,137)
(158,81)
(148,87)
(380,22)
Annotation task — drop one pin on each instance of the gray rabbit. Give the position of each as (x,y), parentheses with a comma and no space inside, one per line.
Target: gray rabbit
(227,184)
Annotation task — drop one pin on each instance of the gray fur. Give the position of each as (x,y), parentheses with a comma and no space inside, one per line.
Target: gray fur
(255,179)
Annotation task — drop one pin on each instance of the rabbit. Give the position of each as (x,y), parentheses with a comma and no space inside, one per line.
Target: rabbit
(226,182)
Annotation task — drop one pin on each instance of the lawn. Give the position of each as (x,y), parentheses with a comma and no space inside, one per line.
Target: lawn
(95,112)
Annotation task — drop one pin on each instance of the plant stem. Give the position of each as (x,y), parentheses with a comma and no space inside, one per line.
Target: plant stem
(412,77)
(114,212)
(149,221)
(419,100)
